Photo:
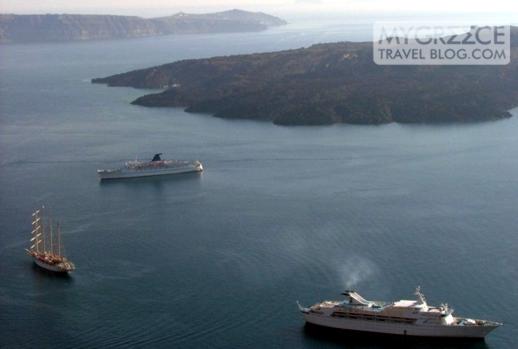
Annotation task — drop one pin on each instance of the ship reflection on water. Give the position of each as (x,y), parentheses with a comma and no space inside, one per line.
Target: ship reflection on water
(358,340)
(157,180)
(41,275)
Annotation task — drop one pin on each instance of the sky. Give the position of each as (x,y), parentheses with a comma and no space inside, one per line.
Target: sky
(148,8)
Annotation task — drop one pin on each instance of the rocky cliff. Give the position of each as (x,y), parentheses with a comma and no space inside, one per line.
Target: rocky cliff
(41,28)
(328,83)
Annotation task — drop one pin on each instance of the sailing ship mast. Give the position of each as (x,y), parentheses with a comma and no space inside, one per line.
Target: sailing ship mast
(50,230)
(36,231)
(49,256)
(39,234)
(43,235)
(59,239)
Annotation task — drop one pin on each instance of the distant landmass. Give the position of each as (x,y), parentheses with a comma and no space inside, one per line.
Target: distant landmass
(329,83)
(67,27)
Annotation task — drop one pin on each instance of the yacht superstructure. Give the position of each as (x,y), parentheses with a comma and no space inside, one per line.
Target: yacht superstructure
(403,317)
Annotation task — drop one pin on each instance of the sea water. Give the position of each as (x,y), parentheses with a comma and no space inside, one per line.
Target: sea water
(280,214)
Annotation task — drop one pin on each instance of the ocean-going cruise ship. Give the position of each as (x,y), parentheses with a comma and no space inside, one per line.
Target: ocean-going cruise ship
(404,317)
(155,167)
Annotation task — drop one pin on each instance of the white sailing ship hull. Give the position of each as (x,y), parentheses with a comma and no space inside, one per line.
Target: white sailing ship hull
(49,267)
(124,173)
(382,327)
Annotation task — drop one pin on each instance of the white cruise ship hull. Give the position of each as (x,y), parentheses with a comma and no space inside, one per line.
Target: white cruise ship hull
(382,327)
(125,173)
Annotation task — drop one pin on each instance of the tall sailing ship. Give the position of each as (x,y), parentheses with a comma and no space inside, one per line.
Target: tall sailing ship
(47,248)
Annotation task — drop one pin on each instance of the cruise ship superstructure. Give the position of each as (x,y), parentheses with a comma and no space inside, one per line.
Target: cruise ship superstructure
(155,167)
(403,317)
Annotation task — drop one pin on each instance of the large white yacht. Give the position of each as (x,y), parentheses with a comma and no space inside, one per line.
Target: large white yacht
(155,167)
(404,317)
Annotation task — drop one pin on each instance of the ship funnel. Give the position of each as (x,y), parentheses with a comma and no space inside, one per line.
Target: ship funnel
(157,157)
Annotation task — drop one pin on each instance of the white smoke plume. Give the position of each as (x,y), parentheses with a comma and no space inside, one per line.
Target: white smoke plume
(355,270)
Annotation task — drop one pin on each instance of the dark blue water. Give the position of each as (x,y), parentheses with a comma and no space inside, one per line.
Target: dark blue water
(280,214)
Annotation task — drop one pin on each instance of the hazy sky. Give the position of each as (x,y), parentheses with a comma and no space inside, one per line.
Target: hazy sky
(163,7)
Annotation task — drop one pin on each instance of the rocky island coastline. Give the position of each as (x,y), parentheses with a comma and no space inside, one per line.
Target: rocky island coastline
(70,27)
(327,84)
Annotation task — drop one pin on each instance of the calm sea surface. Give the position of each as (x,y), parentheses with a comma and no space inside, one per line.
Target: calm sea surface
(281,214)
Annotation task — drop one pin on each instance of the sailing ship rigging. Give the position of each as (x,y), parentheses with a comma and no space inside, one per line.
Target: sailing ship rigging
(47,248)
